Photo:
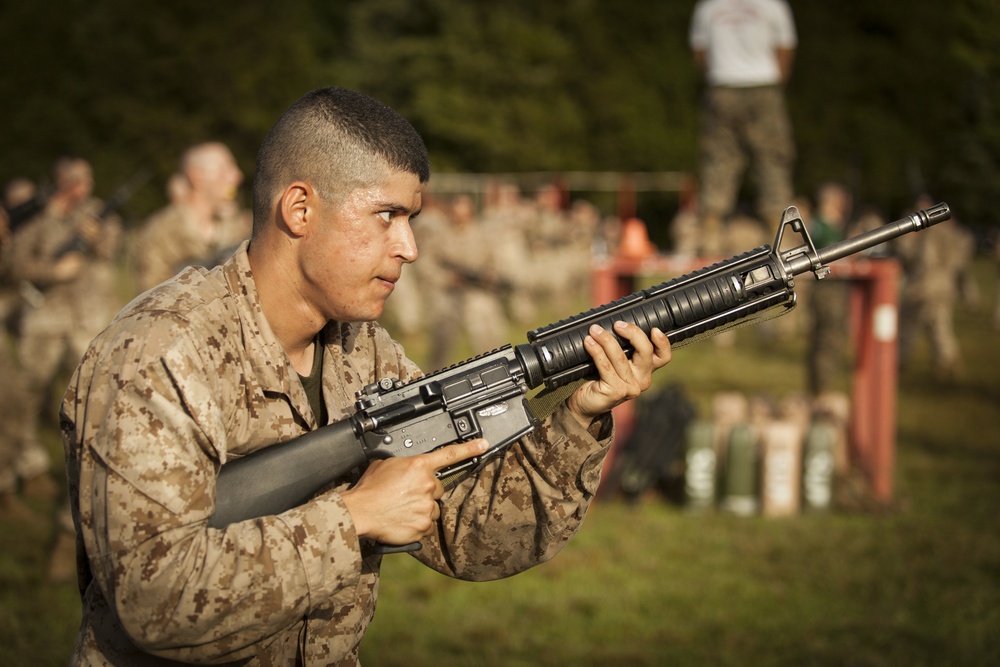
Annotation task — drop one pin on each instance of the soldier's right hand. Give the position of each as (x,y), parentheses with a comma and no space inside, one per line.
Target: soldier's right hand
(396,499)
(89,230)
(68,267)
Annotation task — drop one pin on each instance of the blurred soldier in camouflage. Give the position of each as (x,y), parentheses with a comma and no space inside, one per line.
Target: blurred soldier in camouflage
(17,192)
(583,223)
(827,299)
(468,297)
(558,245)
(216,364)
(996,307)
(934,268)
(64,262)
(13,389)
(408,311)
(201,220)
(745,49)
(507,220)
(12,411)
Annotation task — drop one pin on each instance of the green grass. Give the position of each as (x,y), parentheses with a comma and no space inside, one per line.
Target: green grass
(651,584)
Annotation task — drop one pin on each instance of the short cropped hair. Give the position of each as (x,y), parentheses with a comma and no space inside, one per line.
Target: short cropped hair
(336,140)
(70,170)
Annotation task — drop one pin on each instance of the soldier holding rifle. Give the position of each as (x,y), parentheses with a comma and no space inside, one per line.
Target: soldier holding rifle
(216,364)
(63,262)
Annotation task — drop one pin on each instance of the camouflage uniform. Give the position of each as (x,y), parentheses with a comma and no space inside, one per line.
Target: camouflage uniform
(548,234)
(466,294)
(755,117)
(190,376)
(11,415)
(827,304)
(408,310)
(172,239)
(61,316)
(996,308)
(21,458)
(933,262)
(507,225)
(10,300)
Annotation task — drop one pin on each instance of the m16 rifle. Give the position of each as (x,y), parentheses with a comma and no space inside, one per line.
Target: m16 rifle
(486,397)
(111,206)
(28,209)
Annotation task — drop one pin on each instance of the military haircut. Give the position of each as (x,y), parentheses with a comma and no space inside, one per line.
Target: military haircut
(70,169)
(336,140)
(194,157)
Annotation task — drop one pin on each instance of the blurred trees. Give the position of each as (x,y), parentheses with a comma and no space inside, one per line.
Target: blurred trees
(889,98)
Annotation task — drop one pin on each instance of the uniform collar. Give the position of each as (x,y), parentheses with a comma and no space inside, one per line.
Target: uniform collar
(270,363)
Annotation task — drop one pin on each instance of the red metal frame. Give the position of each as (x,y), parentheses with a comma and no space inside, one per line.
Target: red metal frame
(874,308)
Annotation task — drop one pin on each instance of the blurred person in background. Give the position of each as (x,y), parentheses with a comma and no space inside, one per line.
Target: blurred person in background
(685,235)
(996,308)
(936,273)
(548,234)
(469,294)
(13,401)
(507,218)
(63,261)
(745,50)
(13,389)
(409,310)
(17,192)
(827,299)
(201,220)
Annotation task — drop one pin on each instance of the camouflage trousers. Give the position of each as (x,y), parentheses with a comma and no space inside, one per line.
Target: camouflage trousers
(933,318)
(52,341)
(21,457)
(737,126)
(828,335)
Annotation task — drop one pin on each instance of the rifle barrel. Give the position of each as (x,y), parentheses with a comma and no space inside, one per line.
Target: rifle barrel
(918,221)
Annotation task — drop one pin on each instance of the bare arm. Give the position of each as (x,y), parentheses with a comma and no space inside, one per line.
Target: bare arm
(786,57)
(700,60)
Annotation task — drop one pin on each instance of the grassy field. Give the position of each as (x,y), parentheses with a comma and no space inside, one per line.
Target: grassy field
(648,583)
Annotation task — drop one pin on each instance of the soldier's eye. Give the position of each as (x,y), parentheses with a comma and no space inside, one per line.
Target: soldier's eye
(386,215)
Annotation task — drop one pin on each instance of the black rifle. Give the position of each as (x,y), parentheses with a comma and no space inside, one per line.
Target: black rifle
(481,279)
(28,209)
(114,203)
(485,397)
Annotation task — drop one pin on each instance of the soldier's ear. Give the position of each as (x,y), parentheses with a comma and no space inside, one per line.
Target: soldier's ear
(296,207)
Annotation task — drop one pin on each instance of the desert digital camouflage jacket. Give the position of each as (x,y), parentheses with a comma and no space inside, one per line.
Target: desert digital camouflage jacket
(189,376)
(89,299)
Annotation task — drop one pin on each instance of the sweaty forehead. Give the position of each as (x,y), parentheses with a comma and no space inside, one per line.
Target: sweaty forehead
(400,190)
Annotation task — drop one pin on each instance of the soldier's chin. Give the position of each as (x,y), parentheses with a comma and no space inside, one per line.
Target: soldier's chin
(230,193)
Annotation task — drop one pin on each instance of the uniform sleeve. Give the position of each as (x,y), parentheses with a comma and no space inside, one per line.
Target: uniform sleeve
(523,508)
(108,243)
(29,261)
(146,431)
(162,247)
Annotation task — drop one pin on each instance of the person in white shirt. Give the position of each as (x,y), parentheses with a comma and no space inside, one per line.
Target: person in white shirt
(745,49)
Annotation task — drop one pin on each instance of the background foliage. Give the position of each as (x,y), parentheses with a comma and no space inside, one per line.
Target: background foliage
(890,98)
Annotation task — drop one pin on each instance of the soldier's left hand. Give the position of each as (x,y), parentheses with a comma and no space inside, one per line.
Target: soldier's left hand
(621,379)
(89,230)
